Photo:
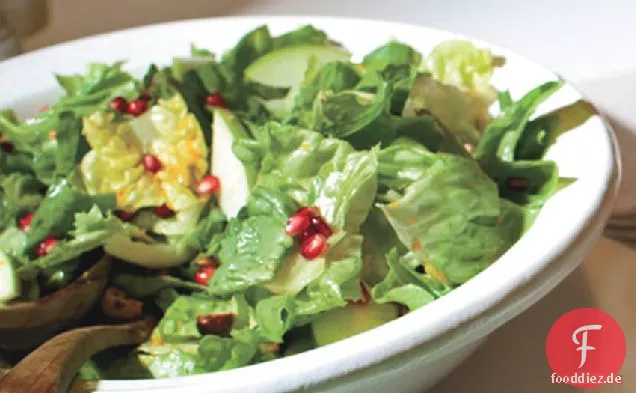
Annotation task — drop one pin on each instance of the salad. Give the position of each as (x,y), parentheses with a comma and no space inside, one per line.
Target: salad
(272,199)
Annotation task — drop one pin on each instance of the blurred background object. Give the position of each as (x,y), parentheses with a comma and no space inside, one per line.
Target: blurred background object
(25,17)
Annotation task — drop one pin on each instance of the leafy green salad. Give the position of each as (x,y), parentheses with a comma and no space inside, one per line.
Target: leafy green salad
(272,199)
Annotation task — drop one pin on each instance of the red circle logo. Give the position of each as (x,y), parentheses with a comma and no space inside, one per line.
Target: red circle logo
(586,348)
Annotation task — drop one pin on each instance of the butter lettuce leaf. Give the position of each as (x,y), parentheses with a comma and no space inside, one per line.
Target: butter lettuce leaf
(462,64)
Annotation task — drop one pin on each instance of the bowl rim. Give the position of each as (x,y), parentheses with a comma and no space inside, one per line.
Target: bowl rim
(419,328)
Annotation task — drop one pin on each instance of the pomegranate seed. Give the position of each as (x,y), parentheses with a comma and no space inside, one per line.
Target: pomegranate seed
(307,233)
(137,107)
(163,211)
(208,185)
(125,216)
(46,246)
(151,163)
(307,211)
(24,222)
(313,246)
(7,147)
(321,226)
(215,99)
(365,295)
(218,324)
(43,108)
(118,104)
(204,274)
(297,224)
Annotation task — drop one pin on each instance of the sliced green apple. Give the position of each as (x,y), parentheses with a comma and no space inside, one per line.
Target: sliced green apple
(344,322)
(150,255)
(286,67)
(9,281)
(235,179)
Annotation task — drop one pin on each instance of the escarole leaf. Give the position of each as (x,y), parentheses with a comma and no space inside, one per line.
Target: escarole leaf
(502,135)
(512,148)
(19,194)
(392,53)
(542,132)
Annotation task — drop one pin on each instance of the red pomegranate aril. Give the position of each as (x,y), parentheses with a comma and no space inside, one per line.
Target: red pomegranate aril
(151,163)
(7,147)
(46,246)
(313,246)
(163,211)
(137,107)
(321,226)
(218,324)
(118,104)
(208,185)
(215,99)
(125,216)
(297,224)
(307,233)
(204,274)
(307,211)
(24,222)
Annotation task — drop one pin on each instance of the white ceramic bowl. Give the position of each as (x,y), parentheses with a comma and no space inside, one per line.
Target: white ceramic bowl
(414,352)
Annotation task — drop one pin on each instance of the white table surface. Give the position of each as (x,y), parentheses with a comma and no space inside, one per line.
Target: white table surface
(590,42)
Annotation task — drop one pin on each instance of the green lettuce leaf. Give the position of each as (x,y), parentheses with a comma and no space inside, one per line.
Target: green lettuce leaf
(340,281)
(404,285)
(164,360)
(541,133)
(361,118)
(379,237)
(142,287)
(19,194)
(333,77)
(250,252)
(275,317)
(527,179)
(55,215)
(402,163)
(179,323)
(219,353)
(502,135)
(392,53)
(452,217)
(452,107)
(462,64)
(313,171)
